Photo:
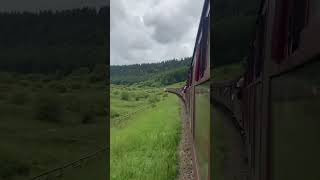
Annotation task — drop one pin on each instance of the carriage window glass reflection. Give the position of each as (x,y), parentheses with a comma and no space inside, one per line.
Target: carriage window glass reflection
(295,123)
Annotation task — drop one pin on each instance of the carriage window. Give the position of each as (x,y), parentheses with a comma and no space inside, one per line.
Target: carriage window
(314,9)
(295,124)
(201,50)
(279,39)
(197,65)
(298,22)
(290,19)
(204,47)
(258,62)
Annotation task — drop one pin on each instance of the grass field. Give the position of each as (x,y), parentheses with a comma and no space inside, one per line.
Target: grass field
(145,145)
(45,123)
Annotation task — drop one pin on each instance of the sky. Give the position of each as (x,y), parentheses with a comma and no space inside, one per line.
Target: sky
(146,31)
(36,5)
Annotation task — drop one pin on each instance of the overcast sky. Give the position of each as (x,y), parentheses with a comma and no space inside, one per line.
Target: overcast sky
(35,5)
(145,31)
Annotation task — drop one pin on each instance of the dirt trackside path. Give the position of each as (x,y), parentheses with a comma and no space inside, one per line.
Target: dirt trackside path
(184,150)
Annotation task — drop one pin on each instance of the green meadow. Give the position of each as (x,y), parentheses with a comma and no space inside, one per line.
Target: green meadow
(47,121)
(145,132)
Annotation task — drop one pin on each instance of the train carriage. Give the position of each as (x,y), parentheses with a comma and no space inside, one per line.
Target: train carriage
(281,92)
(196,93)
(274,103)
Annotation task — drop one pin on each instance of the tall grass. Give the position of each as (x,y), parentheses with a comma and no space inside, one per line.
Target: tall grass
(147,147)
(42,126)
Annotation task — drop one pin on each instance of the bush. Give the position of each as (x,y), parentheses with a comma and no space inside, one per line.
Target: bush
(3,96)
(19,98)
(58,86)
(80,71)
(153,99)
(93,78)
(7,78)
(48,107)
(87,108)
(46,79)
(37,85)
(116,92)
(114,114)
(72,103)
(145,95)
(24,83)
(87,115)
(98,74)
(99,105)
(10,168)
(76,85)
(125,95)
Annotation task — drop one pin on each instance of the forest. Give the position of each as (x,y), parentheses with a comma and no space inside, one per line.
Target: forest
(53,92)
(51,41)
(151,74)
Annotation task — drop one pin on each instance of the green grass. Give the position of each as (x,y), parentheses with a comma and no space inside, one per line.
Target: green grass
(146,148)
(95,169)
(30,146)
(177,85)
(139,98)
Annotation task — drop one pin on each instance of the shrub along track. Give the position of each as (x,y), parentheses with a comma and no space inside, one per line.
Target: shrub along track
(116,121)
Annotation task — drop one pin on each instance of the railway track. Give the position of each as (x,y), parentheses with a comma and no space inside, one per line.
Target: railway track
(59,172)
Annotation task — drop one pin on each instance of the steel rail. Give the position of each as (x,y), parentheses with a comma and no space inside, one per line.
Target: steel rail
(60,170)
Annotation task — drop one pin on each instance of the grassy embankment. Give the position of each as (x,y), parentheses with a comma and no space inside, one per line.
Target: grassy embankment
(144,145)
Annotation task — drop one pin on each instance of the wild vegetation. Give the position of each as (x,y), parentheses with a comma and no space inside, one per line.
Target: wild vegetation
(145,129)
(53,120)
(52,90)
(145,121)
(152,74)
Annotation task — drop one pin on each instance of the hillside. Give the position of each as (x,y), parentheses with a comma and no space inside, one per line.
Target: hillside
(48,41)
(151,74)
(53,92)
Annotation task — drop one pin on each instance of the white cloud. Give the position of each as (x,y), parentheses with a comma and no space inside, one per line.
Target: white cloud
(152,30)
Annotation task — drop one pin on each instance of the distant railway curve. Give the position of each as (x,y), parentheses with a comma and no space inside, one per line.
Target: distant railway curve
(195,95)
(176,91)
(277,95)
